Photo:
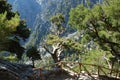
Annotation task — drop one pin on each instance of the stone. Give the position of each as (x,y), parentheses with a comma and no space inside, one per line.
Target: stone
(14,71)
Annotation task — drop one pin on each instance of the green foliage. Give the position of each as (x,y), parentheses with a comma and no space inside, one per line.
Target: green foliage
(85,39)
(77,16)
(96,56)
(57,20)
(101,58)
(112,11)
(12,28)
(33,53)
(57,28)
(73,46)
(101,23)
(5,7)
(7,26)
(46,61)
(51,39)
(68,45)
(11,58)
(22,30)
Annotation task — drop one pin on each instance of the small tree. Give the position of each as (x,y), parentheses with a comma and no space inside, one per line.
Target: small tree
(33,54)
(57,43)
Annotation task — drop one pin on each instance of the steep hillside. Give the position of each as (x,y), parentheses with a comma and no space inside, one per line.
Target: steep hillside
(50,8)
(28,10)
(38,12)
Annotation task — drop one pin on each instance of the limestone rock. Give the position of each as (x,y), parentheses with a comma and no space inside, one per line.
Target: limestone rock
(14,71)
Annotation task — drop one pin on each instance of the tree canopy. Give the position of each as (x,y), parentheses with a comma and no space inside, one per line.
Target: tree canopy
(101,24)
(33,54)
(12,30)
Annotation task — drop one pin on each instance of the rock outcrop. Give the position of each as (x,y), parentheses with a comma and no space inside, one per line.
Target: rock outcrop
(13,71)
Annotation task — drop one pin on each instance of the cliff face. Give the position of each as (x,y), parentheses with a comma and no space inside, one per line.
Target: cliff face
(38,12)
(28,10)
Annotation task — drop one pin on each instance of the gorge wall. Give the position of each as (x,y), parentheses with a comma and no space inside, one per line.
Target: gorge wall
(38,12)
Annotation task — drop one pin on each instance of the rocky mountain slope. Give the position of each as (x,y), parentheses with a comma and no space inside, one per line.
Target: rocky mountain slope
(38,12)
(28,10)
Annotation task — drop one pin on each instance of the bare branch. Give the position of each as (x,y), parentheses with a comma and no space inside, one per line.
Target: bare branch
(107,60)
(47,49)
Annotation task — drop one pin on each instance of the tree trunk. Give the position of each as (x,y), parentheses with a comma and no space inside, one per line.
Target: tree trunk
(55,58)
(112,67)
(55,53)
(33,63)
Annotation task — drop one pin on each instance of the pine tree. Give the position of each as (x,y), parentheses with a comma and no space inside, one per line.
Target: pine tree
(101,24)
(12,29)
(33,54)
(57,43)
